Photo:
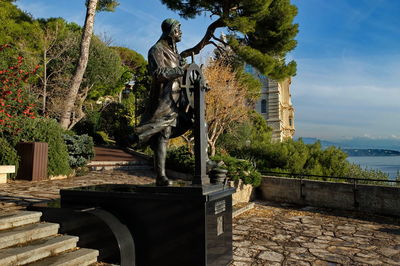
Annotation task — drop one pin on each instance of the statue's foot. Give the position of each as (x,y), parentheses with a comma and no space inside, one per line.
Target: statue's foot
(163,181)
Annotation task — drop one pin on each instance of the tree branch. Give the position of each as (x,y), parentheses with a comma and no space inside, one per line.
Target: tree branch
(220,40)
(206,39)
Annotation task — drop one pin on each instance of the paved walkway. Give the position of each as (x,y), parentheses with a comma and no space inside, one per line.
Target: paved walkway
(276,235)
(267,235)
(18,194)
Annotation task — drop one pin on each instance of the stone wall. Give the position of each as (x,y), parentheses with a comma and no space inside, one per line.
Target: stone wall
(369,198)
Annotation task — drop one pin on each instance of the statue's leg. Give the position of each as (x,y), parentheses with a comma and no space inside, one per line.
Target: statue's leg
(160,154)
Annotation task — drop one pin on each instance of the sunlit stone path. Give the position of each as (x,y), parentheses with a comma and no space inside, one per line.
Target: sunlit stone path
(276,235)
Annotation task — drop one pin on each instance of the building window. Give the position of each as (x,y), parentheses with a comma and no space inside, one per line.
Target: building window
(290,121)
(263,106)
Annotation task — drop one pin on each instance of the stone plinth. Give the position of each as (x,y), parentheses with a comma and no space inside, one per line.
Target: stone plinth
(174,225)
(4,170)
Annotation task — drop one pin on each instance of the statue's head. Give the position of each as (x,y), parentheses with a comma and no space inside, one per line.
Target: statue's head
(171,28)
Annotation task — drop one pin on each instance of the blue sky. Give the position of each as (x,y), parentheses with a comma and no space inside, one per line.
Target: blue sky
(348,57)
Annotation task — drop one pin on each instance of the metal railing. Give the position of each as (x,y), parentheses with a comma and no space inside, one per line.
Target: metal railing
(313,177)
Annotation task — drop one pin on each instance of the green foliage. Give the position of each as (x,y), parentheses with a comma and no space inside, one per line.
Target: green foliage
(8,155)
(298,158)
(114,120)
(105,5)
(18,29)
(252,84)
(180,159)
(239,169)
(253,133)
(104,70)
(80,149)
(90,124)
(45,130)
(102,137)
(261,32)
(356,171)
(136,65)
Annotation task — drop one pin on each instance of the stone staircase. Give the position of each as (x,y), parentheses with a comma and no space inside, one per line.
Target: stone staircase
(119,159)
(24,240)
(118,165)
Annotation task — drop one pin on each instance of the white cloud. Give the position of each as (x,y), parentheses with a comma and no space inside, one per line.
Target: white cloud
(347,96)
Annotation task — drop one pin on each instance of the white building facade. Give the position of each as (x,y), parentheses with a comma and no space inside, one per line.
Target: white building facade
(275,105)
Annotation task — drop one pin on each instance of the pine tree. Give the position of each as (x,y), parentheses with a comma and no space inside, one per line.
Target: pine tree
(261,32)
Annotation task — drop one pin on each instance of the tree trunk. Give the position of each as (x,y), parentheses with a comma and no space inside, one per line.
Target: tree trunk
(65,119)
(78,113)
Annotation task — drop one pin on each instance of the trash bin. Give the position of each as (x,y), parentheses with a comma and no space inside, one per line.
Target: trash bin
(34,158)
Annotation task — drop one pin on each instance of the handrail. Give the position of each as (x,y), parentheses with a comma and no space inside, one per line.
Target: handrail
(354,179)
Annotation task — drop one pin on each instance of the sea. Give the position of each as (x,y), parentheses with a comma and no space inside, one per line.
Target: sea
(387,164)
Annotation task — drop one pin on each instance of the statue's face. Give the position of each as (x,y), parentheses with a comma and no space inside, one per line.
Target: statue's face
(177,33)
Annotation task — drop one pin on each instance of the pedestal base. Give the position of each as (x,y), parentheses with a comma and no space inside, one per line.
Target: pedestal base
(175,225)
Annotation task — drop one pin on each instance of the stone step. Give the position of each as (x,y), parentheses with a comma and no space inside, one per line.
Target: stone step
(37,249)
(106,167)
(93,163)
(25,233)
(81,257)
(238,209)
(20,218)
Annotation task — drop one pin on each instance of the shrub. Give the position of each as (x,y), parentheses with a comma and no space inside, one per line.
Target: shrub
(89,124)
(240,169)
(113,121)
(180,159)
(8,155)
(16,103)
(46,130)
(80,149)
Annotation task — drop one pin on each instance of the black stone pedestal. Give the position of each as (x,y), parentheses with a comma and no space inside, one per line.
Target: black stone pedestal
(177,225)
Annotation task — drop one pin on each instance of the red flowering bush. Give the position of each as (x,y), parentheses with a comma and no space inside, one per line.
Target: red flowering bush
(15,101)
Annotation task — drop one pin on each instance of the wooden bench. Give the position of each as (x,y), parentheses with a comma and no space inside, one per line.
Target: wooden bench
(4,170)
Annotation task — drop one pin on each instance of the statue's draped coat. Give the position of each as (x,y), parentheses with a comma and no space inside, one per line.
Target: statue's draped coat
(164,101)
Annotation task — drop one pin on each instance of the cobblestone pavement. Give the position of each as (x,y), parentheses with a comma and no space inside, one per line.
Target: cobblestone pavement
(269,234)
(276,235)
(19,194)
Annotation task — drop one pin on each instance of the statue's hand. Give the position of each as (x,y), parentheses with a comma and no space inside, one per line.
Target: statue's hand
(180,72)
(182,61)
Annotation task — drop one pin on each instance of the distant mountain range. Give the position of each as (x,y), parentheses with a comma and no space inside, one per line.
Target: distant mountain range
(362,146)
(371,152)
